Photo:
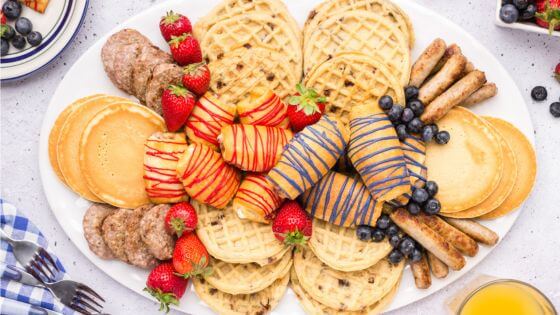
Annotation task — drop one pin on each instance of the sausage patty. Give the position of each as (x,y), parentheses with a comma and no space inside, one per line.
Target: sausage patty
(149,57)
(163,76)
(136,250)
(114,232)
(152,228)
(92,222)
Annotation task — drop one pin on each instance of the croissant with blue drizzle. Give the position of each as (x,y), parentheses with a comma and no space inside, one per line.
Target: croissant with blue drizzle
(375,151)
(308,157)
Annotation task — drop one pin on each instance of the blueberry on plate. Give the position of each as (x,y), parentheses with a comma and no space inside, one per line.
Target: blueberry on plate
(416,255)
(443,137)
(432,206)
(427,133)
(509,13)
(431,187)
(364,232)
(401,132)
(406,246)
(395,112)
(413,208)
(555,109)
(4,47)
(385,102)
(394,240)
(34,38)
(521,4)
(410,92)
(417,107)
(435,128)
(383,221)
(407,115)
(392,229)
(11,9)
(415,125)
(529,13)
(539,93)
(420,195)
(18,41)
(7,31)
(395,256)
(24,26)
(377,235)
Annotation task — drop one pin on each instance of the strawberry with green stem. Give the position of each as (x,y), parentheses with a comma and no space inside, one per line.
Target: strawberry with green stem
(181,218)
(190,257)
(165,286)
(305,108)
(174,24)
(177,104)
(548,14)
(292,225)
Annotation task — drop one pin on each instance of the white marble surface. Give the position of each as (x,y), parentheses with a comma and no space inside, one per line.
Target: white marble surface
(530,252)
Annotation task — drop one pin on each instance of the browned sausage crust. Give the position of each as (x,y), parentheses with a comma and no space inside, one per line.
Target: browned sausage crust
(114,232)
(152,229)
(136,250)
(426,62)
(92,223)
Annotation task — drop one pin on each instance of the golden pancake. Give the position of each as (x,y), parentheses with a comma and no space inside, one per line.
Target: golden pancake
(68,144)
(468,168)
(526,160)
(509,176)
(112,153)
(57,127)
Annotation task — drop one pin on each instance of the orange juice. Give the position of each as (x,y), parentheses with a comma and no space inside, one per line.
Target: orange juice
(506,297)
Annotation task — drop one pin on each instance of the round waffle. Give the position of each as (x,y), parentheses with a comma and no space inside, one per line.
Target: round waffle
(227,304)
(246,278)
(230,8)
(347,291)
(231,239)
(339,248)
(253,30)
(313,307)
(385,8)
(361,31)
(352,79)
(244,70)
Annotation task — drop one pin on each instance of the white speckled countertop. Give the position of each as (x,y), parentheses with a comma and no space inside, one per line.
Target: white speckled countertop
(530,252)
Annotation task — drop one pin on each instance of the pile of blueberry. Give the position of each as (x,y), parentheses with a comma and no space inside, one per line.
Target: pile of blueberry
(406,119)
(539,94)
(517,10)
(23,27)
(403,245)
(423,199)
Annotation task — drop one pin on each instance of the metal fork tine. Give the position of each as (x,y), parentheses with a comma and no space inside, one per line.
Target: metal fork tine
(49,258)
(90,290)
(86,305)
(80,309)
(86,297)
(43,263)
(40,270)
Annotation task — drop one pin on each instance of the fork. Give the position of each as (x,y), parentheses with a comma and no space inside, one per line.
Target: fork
(32,256)
(75,295)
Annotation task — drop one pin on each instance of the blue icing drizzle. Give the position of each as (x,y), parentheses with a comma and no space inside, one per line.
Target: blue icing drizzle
(411,146)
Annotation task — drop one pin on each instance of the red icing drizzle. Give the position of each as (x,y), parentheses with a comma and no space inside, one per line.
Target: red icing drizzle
(264,197)
(217,118)
(205,169)
(163,182)
(272,112)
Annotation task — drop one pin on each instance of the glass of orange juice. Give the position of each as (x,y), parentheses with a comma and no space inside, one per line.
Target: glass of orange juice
(487,296)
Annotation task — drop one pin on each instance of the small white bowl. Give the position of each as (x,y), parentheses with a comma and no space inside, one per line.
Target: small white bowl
(527,26)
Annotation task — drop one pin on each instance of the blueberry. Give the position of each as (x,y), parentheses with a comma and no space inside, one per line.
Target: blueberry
(5,47)
(395,113)
(420,195)
(24,26)
(435,128)
(509,13)
(442,137)
(417,107)
(18,41)
(539,93)
(395,256)
(416,255)
(431,187)
(529,13)
(415,125)
(432,206)
(427,133)
(394,240)
(7,32)
(521,4)
(401,132)
(364,232)
(406,246)
(377,235)
(555,109)
(11,9)
(413,208)
(383,221)
(34,38)
(392,229)
(410,92)
(407,115)
(385,102)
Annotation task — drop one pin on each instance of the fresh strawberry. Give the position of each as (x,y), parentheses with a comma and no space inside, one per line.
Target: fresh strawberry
(196,78)
(557,72)
(164,285)
(185,49)
(548,14)
(292,225)
(181,218)
(2,18)
(177,104)
(305,108)
(190,257)
(174,24)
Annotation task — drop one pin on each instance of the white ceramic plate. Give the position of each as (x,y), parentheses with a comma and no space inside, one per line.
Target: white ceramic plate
(87,77)
(58,24)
